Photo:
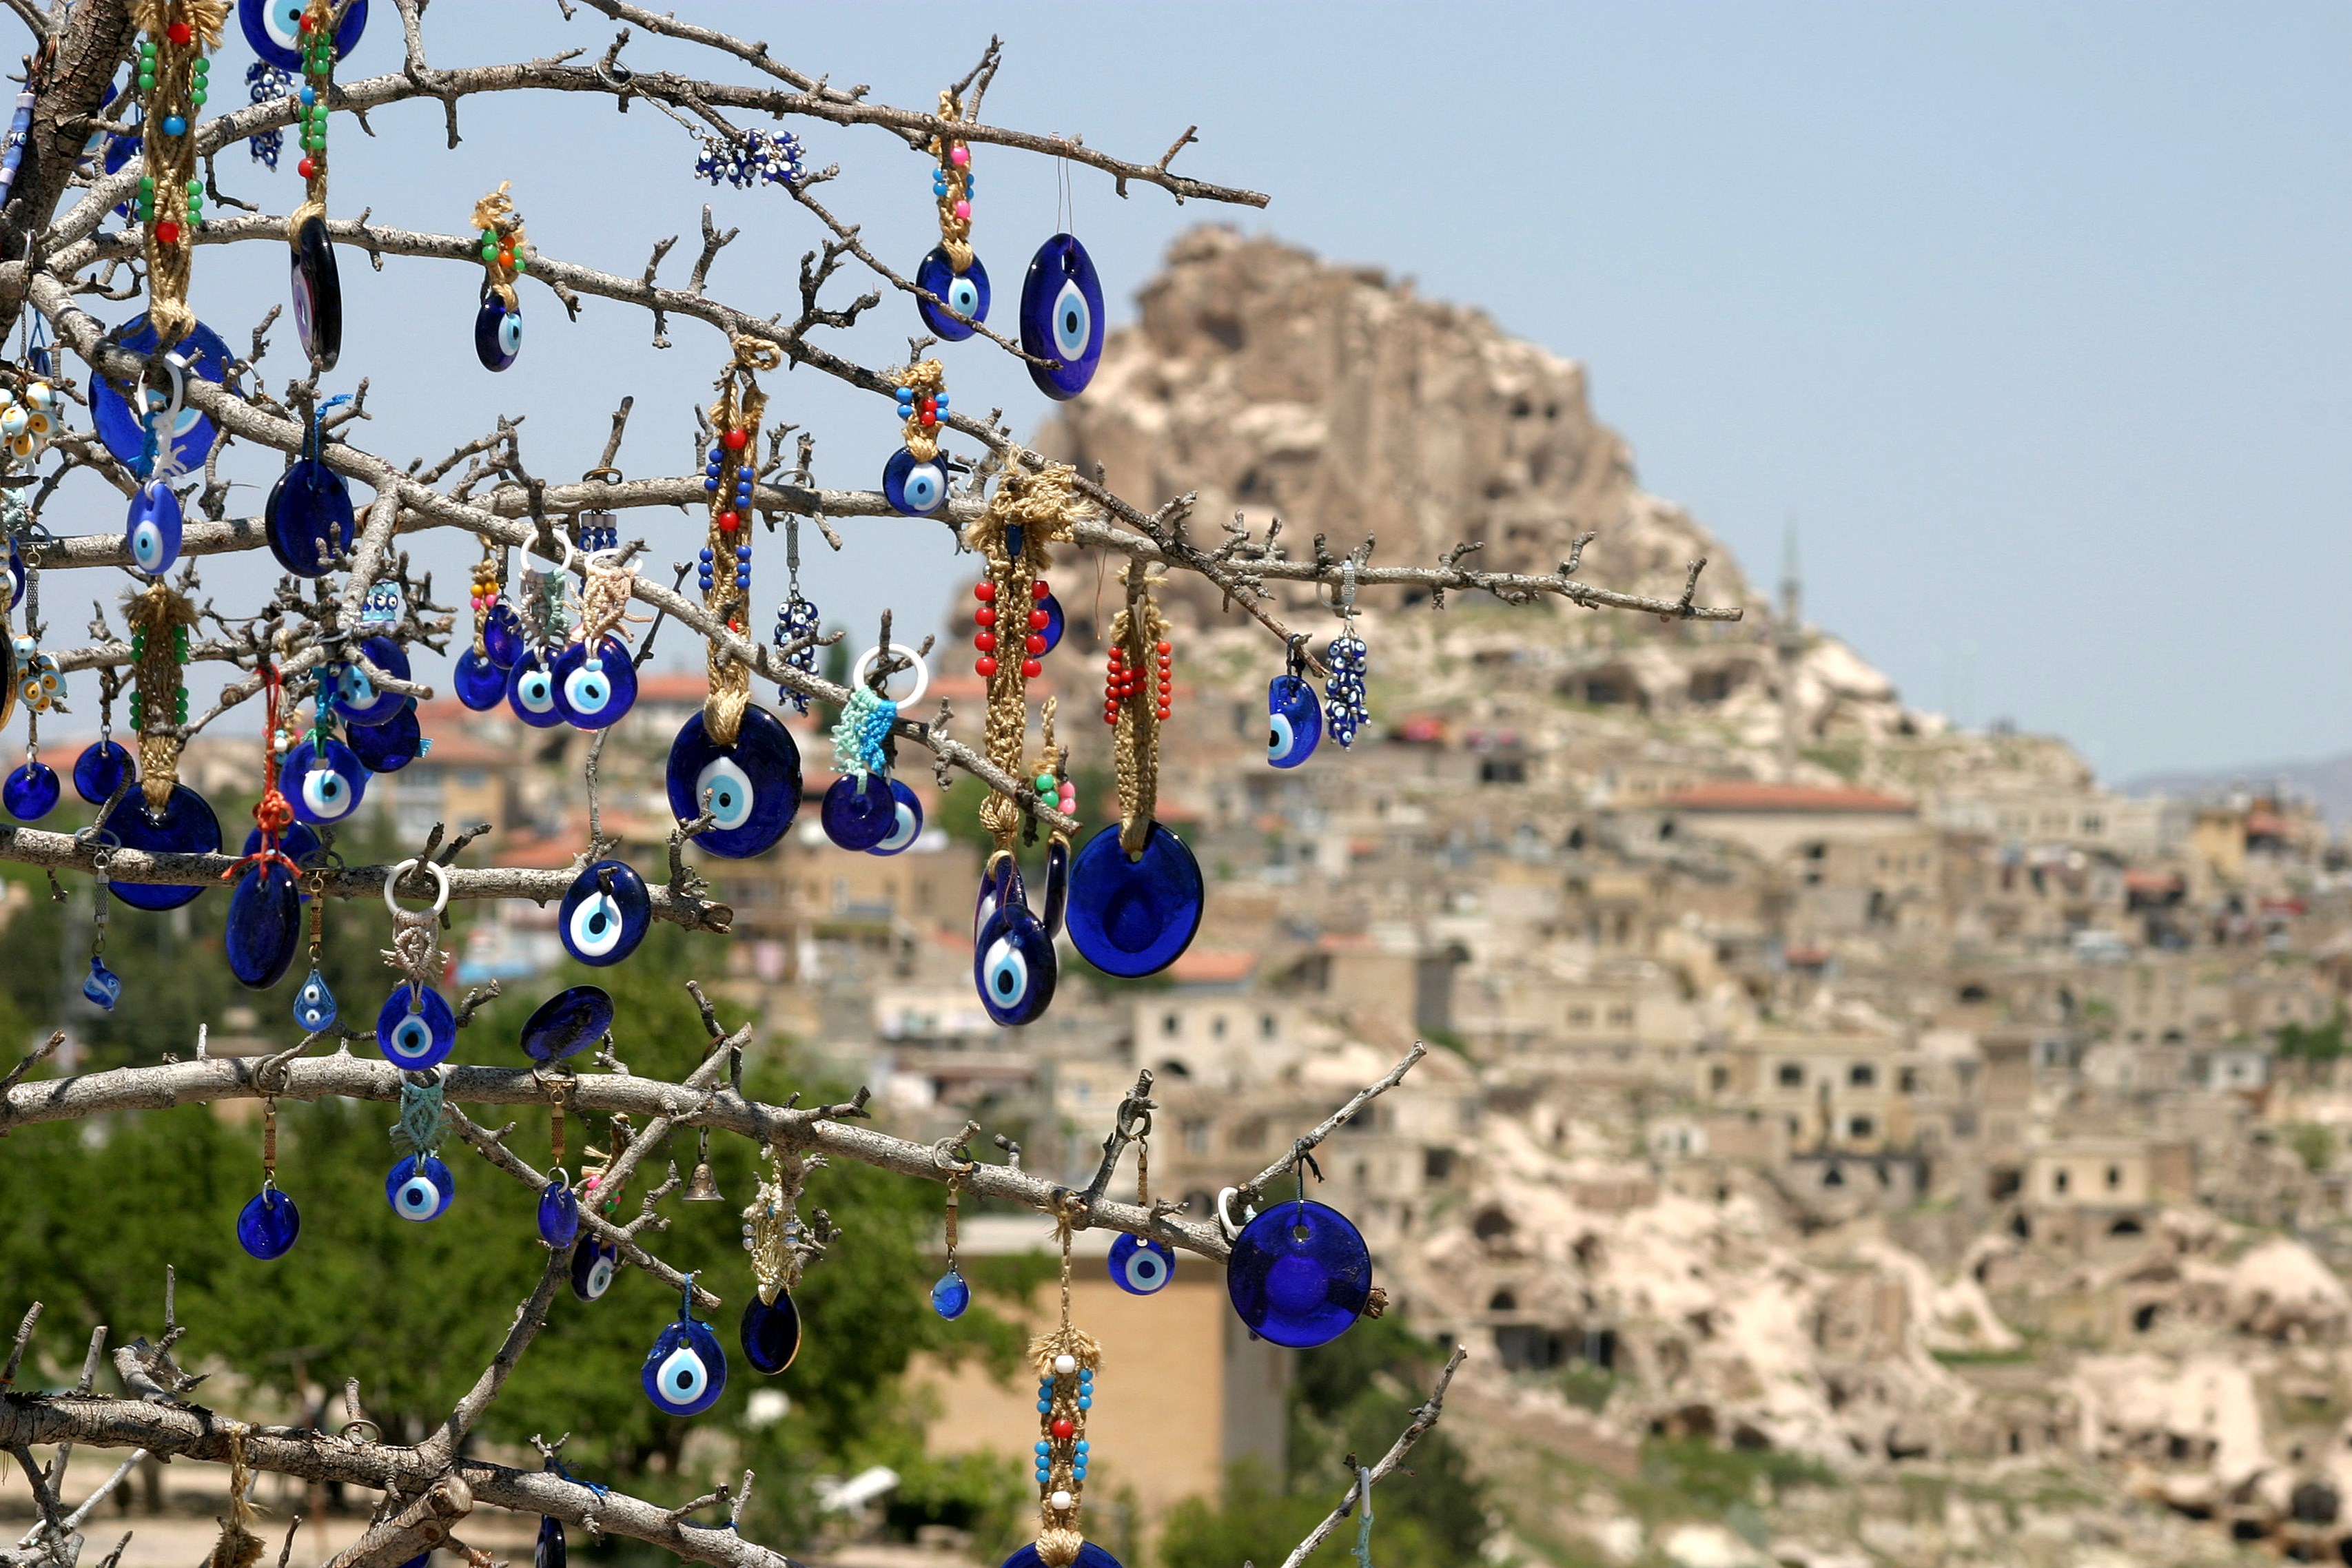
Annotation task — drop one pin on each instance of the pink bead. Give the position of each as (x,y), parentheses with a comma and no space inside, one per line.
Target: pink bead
(963,211)
(960,156)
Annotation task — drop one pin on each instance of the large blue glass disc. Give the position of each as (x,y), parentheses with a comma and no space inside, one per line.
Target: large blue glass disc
(1089,1556)
(1299,1274)
(860,813)
(270,28)
(265,925)
(606,914)
(1131,918)
(415,1034)
(916,489)
(686,1371)
(502,639)
(770,1335)
(754,785)
(567,1023)
(192,434)
(152,528)
(15,564)
(307,518)
(420,1189)
(965,294)
(187,826)
(31,792)
(906,825)
(268,1225)
(531,690)
(481,685)
(389,746)
(591,699)
(323,784)
(559,1215)
(1062,318)
(357,698)
(497,333)
(101,769)
(1014,967)
(1293,721)
(593,1265)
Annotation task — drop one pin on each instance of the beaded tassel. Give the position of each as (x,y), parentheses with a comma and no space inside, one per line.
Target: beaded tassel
(1344,692)
(489,574)
(160,619)
(951,188)
(1030,510)
(505,248)
(1066,1360)
(173,76)
(728,477)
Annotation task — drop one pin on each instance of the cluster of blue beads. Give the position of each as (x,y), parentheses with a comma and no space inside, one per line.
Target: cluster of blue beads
(591,538)
(1044,1405)
(796,618)
(939,183)
(906,404)
(712,467)
(710,565)
(1343,693)
(760,159)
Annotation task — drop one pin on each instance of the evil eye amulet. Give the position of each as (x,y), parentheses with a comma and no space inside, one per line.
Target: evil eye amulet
(318,288)
(314,1004)
(152,528)
(590,698)
(420,1189)
(502,636)
(686,1371)
(273,28)
(356,697)
(1141,1267)
(965,294)
(1131,918)
(101,769)
(268,1224)
(389,746)
(530,691)
(327,781)
(125,431)
(916,489)
(600,927)
(31,792)
(999,887)
(497,333)
(754,785)
(567,1023)
(1299,1274)
(860,813)
(1062,318)
(308,519)
(481,685)
(906,821)
(186,826)
(265,924)
(770,1336)
(559,1215)
(594,1263)
(1013,968)
(1293,721)
(16,576)
(415,1033)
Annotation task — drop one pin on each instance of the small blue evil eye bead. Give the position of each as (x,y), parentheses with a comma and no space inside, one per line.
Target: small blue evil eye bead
(531,691)
(686,1371)
(592,1267)
(328,782)
(914,489)
(415,1032)
(420,1189)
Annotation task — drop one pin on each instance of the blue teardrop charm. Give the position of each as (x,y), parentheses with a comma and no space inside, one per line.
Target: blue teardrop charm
(559,1215)
(950,1296)
(497,333)
(600,927)
(314,1004)
(686,1371)
(264,923)
(1131,918)
(268,1225)
(481,685)
(152,528)
(102,985)
(1293,721)
(770,1335)
(414,1034)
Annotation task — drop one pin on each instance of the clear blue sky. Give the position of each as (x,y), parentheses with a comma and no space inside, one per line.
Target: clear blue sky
(2034,316)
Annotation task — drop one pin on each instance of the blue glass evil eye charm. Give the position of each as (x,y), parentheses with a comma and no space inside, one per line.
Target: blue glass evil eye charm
(308,519)
(860,813)
(686,1371)
(1062,318)
(1300,1274)
(1141,1267)
(327,781)
(753,786)
(100,770)
(530,691)
(31,792)
(264,923)
(951,1295)
(1131,918)
(481,685)
(356,697)
(192,434)
(502,642)
(186,826)
(389,746)
(770,1335)
(916,489)
(415,1032)
(965,294)
(274,29)
(567,1023)
(1000,886)
(268,1224)
(606,914)
(906,821)
(152,528)
(101,986)
(1013,967)
(559,1215)
(318,288)
(314,1005)
(550,1552)
(594,1263)
(420,1189)
(1293,721)
(591,693)
(498,331)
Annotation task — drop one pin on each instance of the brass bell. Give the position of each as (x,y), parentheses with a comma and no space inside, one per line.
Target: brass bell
(702,1187)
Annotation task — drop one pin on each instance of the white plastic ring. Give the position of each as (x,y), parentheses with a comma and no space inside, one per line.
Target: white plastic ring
(1225,1224)
(922,674)
(440,876)
(564,562)
(598,560)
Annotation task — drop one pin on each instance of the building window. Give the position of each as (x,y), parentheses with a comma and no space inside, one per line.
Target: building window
(2114,1175)
(1860,1127)
(1718,1077)
(1436,1163)
(1217,1027)
(1196,1137)
(1267,1027)
(1908,1080)
(1862,1075)
(2058,1179)
(1171,1023)
(1793,1075)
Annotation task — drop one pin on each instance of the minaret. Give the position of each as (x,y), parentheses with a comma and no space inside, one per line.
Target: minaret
(1792,646)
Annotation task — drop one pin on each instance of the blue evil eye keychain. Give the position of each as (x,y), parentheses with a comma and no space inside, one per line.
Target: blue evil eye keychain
(152,526)
(954,285)
(547,619)
(308,519)
(796,619)
(595,677)
(606,914)
(1343,690)
(1062,318)
(686,1371)
(506,256)
(1141,1265)
(752,785)
(419,1188)
(770,1329)
(480,679)
(269,1222)
(862,812)
(1293,719)
(915,480)
(415,1030)
(952,1292)
(101,988)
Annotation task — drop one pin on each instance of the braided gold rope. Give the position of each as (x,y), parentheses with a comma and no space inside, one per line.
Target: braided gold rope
(766,1220)
(1059,1538)
(1136,631)
(497,214)
(237,1547)
(157,615)
(1044,506)
(955,233)
(171,160)
(739,405)
(320,15)
(928,378)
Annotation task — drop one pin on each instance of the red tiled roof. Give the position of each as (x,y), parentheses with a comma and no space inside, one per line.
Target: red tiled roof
(1213,965)
(1740,795)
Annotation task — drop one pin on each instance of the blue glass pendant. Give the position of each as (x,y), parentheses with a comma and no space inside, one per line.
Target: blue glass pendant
(950,1296)
(187,826)
(31,792)
(1299,1275)
(152,528)
(323,784)
(770,1336)
(268,1224)
(16,562)
(389,746)
(1000,886)
(481,685)
(1140,1266)
(272,27)
(413,1032)
(559,1215)
(1057,885)
(356,697)
(1052,629)
(531,690)
(1131,918)
(550,1552)
(502,639)
(1293,721)
(906,821)
(590,698)
(594,1264)
(497,333)
(1013,967)
(686,1371)
(567,1023)
(101,986)
(100,770)
(916,489)
(201,353)
(307,518)
(420,1189)
(860,813)
(314,1005)
(265,924)
(754,785)
(606,914)
(1062,318)
(318,287)
(965,294)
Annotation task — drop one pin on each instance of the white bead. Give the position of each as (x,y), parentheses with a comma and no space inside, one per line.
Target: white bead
(1066,1365)
(1060,1500)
